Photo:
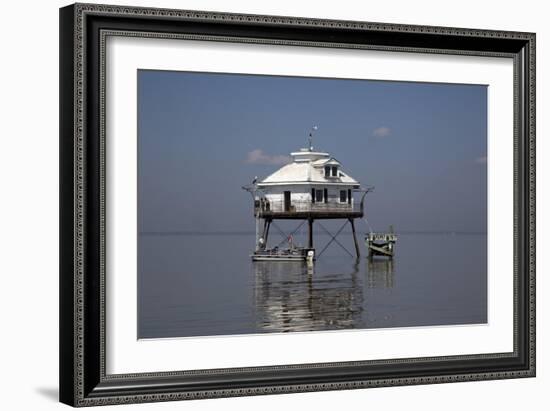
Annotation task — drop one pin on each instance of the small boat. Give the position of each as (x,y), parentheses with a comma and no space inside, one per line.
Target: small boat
(284,254)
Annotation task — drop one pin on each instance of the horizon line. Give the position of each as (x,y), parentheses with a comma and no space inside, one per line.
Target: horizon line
(248,232)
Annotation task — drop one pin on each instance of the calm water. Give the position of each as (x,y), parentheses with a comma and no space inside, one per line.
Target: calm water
(199,285)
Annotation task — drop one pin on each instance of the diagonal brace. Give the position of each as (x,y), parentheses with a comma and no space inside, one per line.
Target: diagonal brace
(285,237)
(333,238)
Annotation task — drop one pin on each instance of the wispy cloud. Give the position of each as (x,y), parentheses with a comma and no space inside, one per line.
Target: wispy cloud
(258,156)
(481,160)
(381,132)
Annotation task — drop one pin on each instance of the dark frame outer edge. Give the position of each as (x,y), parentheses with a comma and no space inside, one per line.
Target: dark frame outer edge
(81,379)
(66,200)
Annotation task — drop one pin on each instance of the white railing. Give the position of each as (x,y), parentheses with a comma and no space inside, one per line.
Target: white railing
(279,206)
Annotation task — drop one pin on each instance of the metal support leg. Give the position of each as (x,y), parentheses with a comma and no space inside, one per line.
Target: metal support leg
(267,231)
(310,233)
(265,228)
(357,253)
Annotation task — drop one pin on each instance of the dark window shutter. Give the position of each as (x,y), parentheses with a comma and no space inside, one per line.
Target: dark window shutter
(349,196)
(325,194)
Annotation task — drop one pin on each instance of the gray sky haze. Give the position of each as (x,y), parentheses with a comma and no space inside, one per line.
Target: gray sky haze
(203,136)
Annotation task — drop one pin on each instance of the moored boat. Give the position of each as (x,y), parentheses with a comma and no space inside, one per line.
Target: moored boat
(284,254)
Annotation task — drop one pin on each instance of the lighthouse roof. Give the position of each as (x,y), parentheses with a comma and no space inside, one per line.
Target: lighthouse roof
(308,167)
(306,155)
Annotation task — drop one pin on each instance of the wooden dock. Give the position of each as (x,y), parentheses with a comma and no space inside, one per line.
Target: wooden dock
(381,244)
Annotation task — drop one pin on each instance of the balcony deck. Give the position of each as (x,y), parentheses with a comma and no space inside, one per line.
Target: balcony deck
(300,210)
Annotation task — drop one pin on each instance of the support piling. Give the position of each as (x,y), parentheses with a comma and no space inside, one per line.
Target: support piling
(310,232)
(357,253)
(268,221)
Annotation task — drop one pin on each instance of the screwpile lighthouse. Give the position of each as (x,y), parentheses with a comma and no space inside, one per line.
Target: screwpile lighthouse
(313,186)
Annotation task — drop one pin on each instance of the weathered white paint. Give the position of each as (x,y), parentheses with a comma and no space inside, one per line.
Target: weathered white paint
(300,198)
(304,173)
(308,167)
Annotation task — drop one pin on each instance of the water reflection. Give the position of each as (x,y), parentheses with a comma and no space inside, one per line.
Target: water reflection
(380,273)
(233,296)
(293,297)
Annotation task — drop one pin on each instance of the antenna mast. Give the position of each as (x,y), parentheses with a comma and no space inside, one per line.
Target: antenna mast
(310,139)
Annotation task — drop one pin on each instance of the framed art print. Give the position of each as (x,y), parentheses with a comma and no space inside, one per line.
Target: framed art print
(263,204)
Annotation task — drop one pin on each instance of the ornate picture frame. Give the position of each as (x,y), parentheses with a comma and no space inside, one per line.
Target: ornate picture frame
(84,380)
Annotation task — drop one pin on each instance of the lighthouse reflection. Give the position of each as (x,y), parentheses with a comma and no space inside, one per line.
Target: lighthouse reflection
(299,297)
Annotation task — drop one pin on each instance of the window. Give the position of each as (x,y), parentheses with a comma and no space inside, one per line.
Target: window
(334,171)
(349,195)
(343,196)
(287,203)
(327,171)
(319,196)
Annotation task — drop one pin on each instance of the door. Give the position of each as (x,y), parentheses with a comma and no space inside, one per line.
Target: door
(287,201)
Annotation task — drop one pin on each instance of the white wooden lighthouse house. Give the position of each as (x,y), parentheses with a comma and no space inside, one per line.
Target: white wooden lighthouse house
(311,187)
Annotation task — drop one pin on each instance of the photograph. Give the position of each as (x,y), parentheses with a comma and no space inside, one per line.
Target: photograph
(257,202)
(275,204)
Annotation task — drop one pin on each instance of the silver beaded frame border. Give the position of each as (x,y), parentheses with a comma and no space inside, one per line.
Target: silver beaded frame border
(81,10)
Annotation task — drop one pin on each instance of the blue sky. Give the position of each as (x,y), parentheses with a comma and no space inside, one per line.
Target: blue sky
(202,136)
